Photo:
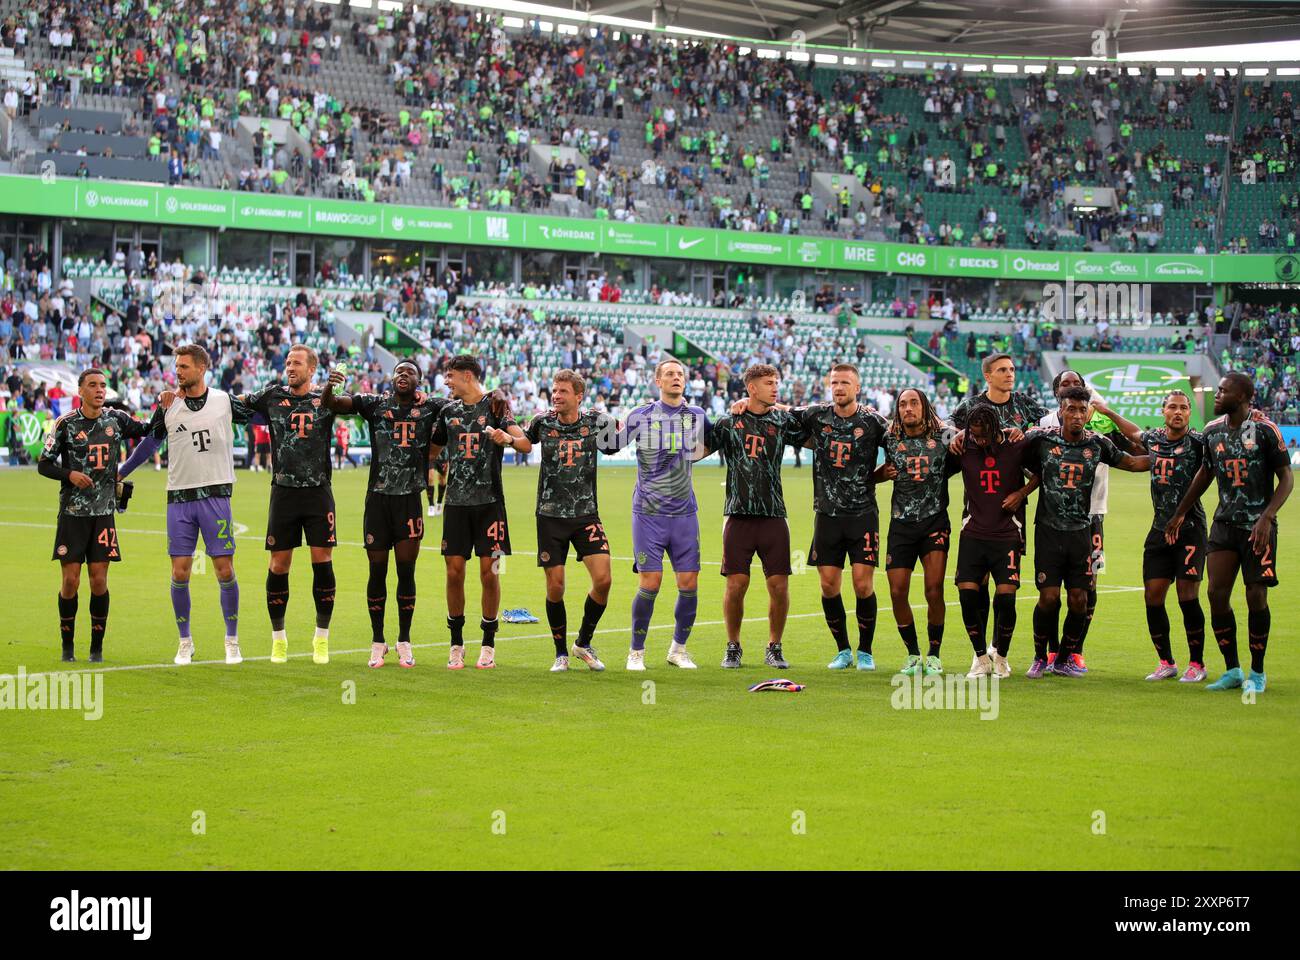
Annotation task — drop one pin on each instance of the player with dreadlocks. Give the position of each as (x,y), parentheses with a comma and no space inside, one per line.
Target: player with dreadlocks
(1017,412)
(917,460)
(992,534)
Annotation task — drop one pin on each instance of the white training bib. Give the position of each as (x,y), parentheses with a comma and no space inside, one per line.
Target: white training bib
(200,443)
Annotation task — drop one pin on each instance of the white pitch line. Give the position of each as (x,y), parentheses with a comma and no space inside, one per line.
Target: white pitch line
(239,526)
(531,636)
(357,543)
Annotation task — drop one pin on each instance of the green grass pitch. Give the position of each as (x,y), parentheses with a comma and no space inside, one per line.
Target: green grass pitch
(520,768)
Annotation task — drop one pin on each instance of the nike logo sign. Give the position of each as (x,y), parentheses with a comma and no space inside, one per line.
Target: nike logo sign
(687,244)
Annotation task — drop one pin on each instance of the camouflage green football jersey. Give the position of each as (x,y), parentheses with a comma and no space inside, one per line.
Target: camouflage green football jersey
(845,453)
(301,433)
(1174,464)
(400,435)
(93,447)
(474,461)
(752,446)
(924,466)
(1020,411)
(1244,461)
(1066,471)
(566,482)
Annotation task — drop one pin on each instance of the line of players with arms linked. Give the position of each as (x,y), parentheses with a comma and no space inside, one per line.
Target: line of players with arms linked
(1003,443)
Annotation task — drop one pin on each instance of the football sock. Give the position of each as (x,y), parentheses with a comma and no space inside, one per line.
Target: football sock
(1052,621)
(908,632)
(970,616)
(277,598)
(377,598)
(833,608)
(457,627)
(1070,631)
(643,608)
(866,622)
(489,628)
(557,617)
(688,602)
(181,607)
(1258,623)
(68,621)
(1158,627)
(1004,620)
(405,602)
(1225,634)
(1194,624)
(322,591)
(98,620)
(985,606)
(442,491)
(1044,631)
(592,611)
(934,633)
(229,593)
(1087,623)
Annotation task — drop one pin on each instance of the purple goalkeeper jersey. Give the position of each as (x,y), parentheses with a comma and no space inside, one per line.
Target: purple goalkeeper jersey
(666,439)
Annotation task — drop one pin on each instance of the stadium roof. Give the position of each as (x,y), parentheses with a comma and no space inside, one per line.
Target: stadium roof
(1060,28)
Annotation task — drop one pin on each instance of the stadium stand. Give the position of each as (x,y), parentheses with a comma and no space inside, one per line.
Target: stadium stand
(312,98)
(1264,345)
(1264,215)
(445,106)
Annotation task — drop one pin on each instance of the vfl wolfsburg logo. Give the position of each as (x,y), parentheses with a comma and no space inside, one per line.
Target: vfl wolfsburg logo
(810,251)
(397,223)
(92,198)
(1287,268)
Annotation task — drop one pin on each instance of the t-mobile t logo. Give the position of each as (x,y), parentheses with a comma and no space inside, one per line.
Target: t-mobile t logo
(301,423)
(569,452)
(403,432)
(1236,471)
(97,455)
(202,440)
(1071,475)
